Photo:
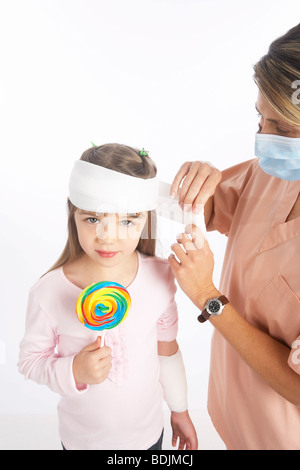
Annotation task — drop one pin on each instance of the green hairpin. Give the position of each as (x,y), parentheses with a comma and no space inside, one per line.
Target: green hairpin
(94,144)
(144,153)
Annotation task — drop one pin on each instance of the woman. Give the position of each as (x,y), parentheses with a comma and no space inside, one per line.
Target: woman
(254,386)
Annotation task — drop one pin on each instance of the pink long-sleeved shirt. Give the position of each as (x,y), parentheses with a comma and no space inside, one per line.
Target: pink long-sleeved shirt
(124,411)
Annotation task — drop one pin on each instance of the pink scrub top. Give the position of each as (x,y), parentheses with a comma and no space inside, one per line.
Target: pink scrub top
(261,277)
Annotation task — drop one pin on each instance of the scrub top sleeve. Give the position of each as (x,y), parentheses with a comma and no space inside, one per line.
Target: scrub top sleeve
(227,194)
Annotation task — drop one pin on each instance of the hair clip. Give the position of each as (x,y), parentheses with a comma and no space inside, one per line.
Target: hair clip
(94,145)
(144,153)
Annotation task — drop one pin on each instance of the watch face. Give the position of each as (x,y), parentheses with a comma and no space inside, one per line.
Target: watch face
(214,306)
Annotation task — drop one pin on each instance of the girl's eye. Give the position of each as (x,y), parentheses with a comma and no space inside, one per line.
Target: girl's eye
(92,220)
(126,223)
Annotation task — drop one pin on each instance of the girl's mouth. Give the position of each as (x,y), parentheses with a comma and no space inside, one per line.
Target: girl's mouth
(107,254)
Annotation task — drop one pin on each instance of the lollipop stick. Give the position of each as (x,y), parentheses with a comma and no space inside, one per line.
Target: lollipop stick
(102,338)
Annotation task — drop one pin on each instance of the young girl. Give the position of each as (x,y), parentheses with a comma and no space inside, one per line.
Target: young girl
(111,396)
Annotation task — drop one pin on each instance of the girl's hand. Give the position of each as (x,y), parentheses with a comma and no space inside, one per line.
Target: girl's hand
(194,270)
(183,429)
(200,181)
(92,364)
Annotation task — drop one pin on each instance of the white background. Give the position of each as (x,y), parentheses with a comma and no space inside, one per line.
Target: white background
(172,76)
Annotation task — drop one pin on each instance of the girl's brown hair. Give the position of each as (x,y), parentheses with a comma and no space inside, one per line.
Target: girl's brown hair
(277,73)
(125,160)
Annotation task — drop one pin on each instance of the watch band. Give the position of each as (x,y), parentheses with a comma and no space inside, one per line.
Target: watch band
(205,315)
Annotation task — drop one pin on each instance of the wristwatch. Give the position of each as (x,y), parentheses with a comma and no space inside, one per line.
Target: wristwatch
(213,307)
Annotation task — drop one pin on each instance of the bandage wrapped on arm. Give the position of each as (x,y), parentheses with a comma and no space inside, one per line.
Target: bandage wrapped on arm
(173,381)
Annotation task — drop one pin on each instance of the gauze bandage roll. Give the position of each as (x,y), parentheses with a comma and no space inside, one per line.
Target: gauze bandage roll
(169,208)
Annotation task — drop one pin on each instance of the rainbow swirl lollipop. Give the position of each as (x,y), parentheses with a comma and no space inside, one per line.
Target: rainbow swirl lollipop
(102,306)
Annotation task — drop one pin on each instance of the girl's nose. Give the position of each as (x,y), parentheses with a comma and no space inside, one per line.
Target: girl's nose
(106,229)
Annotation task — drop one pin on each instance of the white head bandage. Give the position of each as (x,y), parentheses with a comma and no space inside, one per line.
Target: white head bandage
(97,189)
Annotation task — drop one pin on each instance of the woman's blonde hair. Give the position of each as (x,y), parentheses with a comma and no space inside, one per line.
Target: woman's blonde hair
(276,75)
(126,160)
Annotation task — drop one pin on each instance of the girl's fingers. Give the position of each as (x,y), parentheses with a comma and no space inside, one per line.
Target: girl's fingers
(181,444)
(174,440)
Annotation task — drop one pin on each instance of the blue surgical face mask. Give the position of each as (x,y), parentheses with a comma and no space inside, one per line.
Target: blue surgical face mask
(278,156)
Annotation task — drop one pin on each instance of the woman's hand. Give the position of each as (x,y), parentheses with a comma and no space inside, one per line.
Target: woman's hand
(194,267)
(92,364)
(267,356)
(200,181)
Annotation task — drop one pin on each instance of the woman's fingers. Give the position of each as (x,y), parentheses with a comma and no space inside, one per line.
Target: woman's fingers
(182,172)
(193,238)
(192,186)
(186,242)
(179,252)
(199,181)
(196,234)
